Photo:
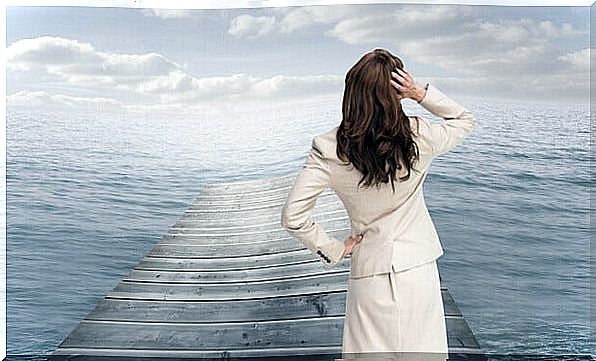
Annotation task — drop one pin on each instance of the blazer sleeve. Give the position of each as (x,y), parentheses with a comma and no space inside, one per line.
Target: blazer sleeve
(457,124)
(296,215)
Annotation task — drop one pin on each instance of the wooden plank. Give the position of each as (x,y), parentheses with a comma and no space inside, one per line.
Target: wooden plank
(307,332)
(449,305)
(291,256)
(287,307)
(207,193)
(333,221)
(259,288)
(265,263)
(187,249)
(251,200)
(192,220)
(251,220)
(327,353)
(273,196)
(459,334)
(265,354)
(231,206)
(237,290)
(233,264)
(289,271)
(240,237)
(241,275)
(223,213)
(277,200)
(273,207)
(249,186)
(319,331)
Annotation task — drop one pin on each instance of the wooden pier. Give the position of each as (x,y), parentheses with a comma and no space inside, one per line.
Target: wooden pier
(228,281)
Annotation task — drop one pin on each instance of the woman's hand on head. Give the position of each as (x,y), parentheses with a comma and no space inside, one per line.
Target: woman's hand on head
(403,82)
(350,242)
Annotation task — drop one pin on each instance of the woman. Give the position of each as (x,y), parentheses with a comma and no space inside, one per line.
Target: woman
(376,161)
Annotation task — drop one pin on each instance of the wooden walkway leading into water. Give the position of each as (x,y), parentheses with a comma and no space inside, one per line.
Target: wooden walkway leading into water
(228,281)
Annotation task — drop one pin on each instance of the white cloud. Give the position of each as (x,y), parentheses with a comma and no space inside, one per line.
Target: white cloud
(448,36)
(78,63)
(152,76)
(243,87)
(375,18)
(462,40)
(167,13)
(251,26)
(287,19)
(454,37)
(49,51)
(294,18)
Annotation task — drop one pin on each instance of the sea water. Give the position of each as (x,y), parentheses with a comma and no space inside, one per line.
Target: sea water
(89,193)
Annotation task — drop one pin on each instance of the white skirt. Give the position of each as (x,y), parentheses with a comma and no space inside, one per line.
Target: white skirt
(396,312)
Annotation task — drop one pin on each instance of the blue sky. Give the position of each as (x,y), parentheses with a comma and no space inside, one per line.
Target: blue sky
(134,59)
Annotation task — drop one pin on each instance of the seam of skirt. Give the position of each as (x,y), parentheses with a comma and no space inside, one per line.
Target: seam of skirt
(397,300)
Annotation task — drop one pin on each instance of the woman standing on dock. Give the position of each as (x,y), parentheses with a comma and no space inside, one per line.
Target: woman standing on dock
(376,161)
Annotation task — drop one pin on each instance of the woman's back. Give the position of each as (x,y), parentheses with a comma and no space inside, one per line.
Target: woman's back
(397,228)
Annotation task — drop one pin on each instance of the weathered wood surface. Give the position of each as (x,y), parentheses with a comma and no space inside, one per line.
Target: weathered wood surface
(228,281)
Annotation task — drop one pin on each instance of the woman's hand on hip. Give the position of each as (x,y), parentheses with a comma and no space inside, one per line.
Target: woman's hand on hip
(350,243)
(403,82)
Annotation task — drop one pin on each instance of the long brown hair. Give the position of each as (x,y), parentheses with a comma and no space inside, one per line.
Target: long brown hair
(375,132)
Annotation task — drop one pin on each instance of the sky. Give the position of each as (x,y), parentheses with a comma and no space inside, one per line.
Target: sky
(133,59)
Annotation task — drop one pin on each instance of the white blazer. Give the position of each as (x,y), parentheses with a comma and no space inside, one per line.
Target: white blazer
(398,232)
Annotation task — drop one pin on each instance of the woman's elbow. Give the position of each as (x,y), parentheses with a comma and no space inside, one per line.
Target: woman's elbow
(289,219)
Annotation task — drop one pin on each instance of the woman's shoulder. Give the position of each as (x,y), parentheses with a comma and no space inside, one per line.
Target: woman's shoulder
(421,129)
(329,134)
(418,125)
(326,142)
(326,138)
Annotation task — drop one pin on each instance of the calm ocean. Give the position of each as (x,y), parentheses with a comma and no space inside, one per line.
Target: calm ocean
(89,193)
